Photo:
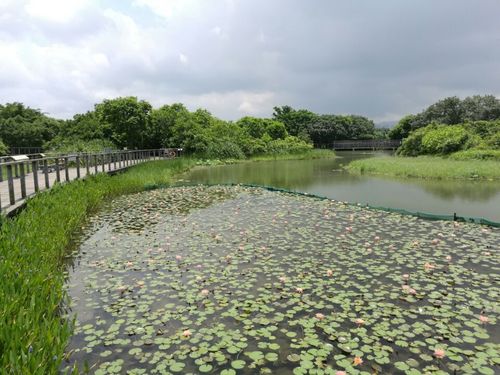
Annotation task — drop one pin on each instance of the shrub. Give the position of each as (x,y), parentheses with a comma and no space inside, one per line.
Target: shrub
(4,150)
(224,149)
(478,154)
(445,140)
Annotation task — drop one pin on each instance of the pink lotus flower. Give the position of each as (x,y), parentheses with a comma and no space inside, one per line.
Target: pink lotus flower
(186,333)
(178,257)
(405,287)
(429,266)
(377,238)
(448,258)
(357,361)
(348,229)
(484,319)
(320,316)
(199,266)
(282,279)
(412,291)
(435,241)
(329,273)
(340,373)
(359,322)
(299,290)
(405,276)
(439,353)
(205,292)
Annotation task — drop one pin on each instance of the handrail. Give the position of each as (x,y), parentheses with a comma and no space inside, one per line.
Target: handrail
(22,176)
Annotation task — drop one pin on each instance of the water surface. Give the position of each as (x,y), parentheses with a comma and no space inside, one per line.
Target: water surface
(325,177)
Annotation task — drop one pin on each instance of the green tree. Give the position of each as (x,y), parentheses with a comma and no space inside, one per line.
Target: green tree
(296,121)
(4,150)
(161,125)
(127,119)
(22,126)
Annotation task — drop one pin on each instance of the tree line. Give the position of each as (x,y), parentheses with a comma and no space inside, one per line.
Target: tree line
(128,122)
(470,128)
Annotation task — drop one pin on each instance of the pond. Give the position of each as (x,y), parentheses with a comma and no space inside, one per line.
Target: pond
(233,280)
(325,177)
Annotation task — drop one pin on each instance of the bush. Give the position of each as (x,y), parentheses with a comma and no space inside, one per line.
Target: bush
(224,149)
(70,145)
(289,145)
(412,145)
(4,150)
(445,140)
(477,154)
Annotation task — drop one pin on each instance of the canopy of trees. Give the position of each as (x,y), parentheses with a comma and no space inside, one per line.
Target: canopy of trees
(127,122)
(450,111)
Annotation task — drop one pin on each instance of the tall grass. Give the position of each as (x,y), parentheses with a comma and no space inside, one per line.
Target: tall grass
(427,167)
(33,246)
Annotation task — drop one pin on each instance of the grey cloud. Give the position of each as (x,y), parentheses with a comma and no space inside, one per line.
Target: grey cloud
(378,58)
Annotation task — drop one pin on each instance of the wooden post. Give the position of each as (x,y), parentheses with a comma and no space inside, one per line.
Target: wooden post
(87,163)
(46,173)
(77,166)
(23,180)
(95,164)
(10,179)
(66,170)
(103,169)
(114,160)
(58,172)
(109,157)
(34,168)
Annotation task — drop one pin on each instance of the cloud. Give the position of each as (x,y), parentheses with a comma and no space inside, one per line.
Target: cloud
(382,59)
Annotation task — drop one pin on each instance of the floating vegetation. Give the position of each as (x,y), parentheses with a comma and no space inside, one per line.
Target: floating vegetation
(234,280)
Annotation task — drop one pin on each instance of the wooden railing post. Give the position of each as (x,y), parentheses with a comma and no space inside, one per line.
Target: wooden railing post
(66,169)
(95,164)
(10,179)
(46,173)
(34,168)
(77,166)
(58,172)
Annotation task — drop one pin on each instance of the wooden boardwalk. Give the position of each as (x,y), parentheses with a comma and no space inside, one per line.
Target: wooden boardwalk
(13,198)
(369,144)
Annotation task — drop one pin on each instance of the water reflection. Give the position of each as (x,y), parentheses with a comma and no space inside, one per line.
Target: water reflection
(326,177)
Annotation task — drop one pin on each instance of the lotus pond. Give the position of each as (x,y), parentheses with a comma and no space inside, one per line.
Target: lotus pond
(235,280)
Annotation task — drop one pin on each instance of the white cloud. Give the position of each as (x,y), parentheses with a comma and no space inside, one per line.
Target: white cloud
(183,58)
(55,10)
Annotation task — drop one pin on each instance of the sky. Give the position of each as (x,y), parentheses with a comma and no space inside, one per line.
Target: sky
(381,59)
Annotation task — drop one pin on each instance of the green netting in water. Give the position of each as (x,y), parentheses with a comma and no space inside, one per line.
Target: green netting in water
(422,215)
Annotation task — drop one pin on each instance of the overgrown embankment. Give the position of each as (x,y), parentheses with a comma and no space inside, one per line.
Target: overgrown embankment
(32,252)
(427,167)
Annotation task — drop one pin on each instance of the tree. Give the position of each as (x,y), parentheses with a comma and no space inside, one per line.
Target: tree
(295,121)
(161,123)
(22,126)
(127,119)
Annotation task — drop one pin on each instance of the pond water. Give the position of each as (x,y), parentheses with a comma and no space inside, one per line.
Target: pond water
(325,177)
(233,280)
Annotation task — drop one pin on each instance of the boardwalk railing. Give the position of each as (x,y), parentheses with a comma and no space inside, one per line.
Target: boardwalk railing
(24,176)
(369,144)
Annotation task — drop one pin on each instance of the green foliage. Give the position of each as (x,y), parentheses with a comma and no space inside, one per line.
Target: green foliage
(126,118)
(22,126)
(69,145)
(427,167)
(296,121)
(478,154)
(33,248)
(442,139)
(4,150)
(224,150)
(450,111)
(329,128)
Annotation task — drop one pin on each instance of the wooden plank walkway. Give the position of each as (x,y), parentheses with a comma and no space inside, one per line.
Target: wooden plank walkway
(46,181)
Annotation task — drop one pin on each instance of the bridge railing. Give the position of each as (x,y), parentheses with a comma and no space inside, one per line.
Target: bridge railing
(369,144)
(22,176)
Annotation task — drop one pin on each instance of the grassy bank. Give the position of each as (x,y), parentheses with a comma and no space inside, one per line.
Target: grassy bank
(32,251)
(427,167)
(306,155)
